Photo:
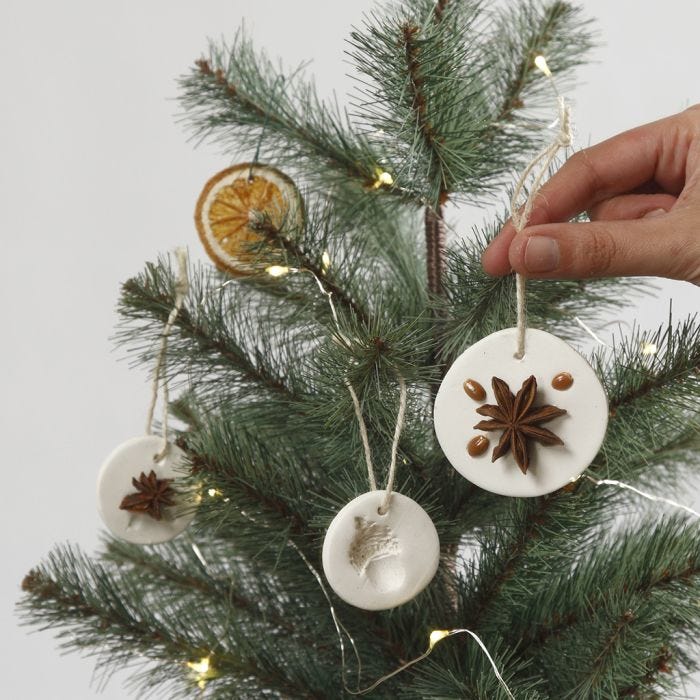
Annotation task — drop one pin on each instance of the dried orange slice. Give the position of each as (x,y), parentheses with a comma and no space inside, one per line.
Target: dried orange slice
(231,201)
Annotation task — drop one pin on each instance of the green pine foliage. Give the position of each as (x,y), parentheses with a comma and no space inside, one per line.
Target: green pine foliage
(578,594)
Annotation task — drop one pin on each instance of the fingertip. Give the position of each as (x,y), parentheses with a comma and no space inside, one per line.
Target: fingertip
(537,252)
(494,259)
(599,249)
(516,253)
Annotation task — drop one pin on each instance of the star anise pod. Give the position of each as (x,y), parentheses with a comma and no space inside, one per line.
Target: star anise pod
(152,495)
(518,419)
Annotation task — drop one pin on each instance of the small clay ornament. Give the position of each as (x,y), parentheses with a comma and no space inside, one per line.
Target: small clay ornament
(137,494)
(545,432)
(374,561)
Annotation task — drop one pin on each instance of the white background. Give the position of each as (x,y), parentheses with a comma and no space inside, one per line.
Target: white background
(96,178)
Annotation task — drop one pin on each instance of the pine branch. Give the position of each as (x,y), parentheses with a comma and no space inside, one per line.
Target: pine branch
(103,608)
(419,104)
(476,304)
(213,335)
(636,377)
(234,93)
(174,565)
(303,260)
(654,403)
(420,100)
(434,98)
(624,595)
(434,218)
(435,247)
(520,33)
(505,551)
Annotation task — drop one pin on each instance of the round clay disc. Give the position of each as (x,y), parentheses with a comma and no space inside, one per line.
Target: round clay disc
(549,359)
(376,562)
(128,461)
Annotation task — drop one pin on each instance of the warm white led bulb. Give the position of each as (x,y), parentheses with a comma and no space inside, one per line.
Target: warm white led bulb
(382,178)
(277,270)
(436,636)
(649,348)
(202,666)
(541,63)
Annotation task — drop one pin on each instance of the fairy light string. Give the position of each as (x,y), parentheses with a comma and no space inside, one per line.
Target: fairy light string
(537,169)
(520,216)
(182,286)
(436,635)
(643,494)
(646,348)
(282,270)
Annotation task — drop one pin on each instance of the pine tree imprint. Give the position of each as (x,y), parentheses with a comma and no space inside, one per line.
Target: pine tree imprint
(372,542)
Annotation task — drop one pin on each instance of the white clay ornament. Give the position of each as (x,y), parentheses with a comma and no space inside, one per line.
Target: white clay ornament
(521,427)
(136,496)
(375,561)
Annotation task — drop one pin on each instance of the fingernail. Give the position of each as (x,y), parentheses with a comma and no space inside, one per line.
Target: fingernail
(541,254)
(654,213)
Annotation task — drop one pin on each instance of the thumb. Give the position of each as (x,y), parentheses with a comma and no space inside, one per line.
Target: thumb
(662,244)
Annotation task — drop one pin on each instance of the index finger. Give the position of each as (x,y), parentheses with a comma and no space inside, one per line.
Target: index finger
(653,152)
(615,166)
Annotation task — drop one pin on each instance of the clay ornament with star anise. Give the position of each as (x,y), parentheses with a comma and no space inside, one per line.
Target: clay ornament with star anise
(519,419)
(151,497)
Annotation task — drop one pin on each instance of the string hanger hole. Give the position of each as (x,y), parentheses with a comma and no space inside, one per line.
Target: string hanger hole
(382,511)
(518,355)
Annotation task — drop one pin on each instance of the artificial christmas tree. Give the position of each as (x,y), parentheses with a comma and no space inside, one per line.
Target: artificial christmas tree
(348,295)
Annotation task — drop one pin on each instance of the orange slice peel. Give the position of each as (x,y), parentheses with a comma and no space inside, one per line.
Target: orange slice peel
(229,205)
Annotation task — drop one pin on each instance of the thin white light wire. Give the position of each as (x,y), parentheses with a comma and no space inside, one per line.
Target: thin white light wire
(427,652)
(488,656)
(400,419)
(336,621)
(644,494)
(339,626)
(592,333)
(182,286)
(198,553)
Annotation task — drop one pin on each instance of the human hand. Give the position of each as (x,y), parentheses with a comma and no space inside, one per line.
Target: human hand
(641,189)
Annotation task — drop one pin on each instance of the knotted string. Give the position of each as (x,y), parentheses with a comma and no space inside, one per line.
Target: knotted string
(401,416)
(520,214)
(400,420)
(182,286)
